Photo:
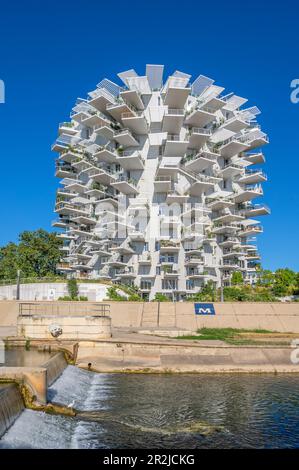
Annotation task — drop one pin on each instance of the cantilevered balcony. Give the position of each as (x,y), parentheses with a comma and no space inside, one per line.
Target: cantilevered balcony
(162,184)
(193,260)
(229,242)
(195,273)
(235,124)
(176,93)
(230,264)
(199,161)
(254,210)
(74,185)
(169,246)
(229,215)
(103,175)
(64,267)
(176,197)
(230,170)
(254,157)
(64,171)
(136,235)
(135,121)
(66,208)
(219,203)
(253,177)
(125,185)
(173,120)
(175,145)
(67,128)
(106,154)
(84,220)
(232,147)
(145,258)
(200,116)
(131,160)
(234,252)
(69,156)
(95,119)
(200,184)
(248,193)
(125,138)
(221,228)
(105,131)
(250,230)
(64,142)
(100,98)
(118,108)
(133,98)
(198,137)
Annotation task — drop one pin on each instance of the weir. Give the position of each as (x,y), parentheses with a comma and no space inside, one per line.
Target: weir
(11,406)
(55,366)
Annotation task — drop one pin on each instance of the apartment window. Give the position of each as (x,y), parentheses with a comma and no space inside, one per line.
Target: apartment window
(157,246)
(158,270)
(145,285)
(224,184)
(190,284)
(169,284)
(145,248)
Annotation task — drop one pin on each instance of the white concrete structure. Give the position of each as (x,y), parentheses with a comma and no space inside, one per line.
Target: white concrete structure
(54,290)
(156,186)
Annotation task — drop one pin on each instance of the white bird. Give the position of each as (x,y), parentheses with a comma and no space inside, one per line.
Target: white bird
(71,405)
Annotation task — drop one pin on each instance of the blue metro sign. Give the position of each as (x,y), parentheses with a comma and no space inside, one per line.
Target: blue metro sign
(204,309)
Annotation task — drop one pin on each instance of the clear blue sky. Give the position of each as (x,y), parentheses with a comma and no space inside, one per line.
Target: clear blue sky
(52,52)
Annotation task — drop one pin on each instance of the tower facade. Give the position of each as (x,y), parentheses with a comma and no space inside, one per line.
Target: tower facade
(157,184)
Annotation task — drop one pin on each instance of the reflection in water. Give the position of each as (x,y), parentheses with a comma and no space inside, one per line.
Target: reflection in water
(20,357)
(164,411)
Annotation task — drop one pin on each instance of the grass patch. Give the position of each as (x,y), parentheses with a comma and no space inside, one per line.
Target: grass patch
(234,336)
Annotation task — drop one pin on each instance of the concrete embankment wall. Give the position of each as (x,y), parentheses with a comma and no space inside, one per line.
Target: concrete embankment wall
(283,317)
(11,406)
(182,357)
(55,366)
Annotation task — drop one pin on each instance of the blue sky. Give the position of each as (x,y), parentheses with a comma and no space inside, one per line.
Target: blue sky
(53,52)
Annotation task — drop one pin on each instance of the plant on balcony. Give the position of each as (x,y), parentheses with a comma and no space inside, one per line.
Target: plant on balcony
(120,150)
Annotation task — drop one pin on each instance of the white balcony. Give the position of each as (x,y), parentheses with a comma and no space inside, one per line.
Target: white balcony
(66,208)
(220,203)
(104,176)
(133,98)
(235,124)
(162,184)
(95,119)
(253,177)
(225,228)
(65,171)
(197,274)
(228,265)
(232,147)
(173,120)
(229,215)
(76,186)
(105,131)
(145,258)
(233,253)
(254,210)
(84,220)
(125,185)
(176,96)
(201,184)
(198,137)
(199,161)
(106,154)
(131,160)
(168,246)
(67,128)
(254,158)
(178,198)
(136,236)
(100,98)
(64,267)
(69,156)
(230,170)
(117,109)
(200,117)
(135,121)
(125,138)
(248,193)
(250,230)
(175,145)
(193,261)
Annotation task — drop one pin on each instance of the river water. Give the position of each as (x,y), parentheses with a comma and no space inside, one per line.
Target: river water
(164,411)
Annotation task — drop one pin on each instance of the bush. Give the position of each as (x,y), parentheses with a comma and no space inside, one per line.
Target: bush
(114,295)
(135,298)
(161,298)
(72,288)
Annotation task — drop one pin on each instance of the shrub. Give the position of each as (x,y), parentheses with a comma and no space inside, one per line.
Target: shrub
(161,298)
(114,295)
(72,288)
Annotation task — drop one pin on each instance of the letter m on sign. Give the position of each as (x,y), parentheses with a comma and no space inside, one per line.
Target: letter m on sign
(204,309)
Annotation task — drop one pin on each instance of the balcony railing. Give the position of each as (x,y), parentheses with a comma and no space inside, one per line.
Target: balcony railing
(200,130)
(176,112)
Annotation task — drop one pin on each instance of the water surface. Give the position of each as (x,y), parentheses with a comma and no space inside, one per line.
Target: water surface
(165,411)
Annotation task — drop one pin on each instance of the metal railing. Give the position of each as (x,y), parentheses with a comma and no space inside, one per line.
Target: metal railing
(69,308)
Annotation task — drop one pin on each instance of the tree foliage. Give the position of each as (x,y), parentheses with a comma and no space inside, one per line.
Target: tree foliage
(36,255)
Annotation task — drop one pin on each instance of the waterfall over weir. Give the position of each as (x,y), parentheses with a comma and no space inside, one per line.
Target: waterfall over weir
(11,405)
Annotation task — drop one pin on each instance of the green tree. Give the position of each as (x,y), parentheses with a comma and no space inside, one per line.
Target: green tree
(72,288)
(237,278)
(284,282)
(36,255)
